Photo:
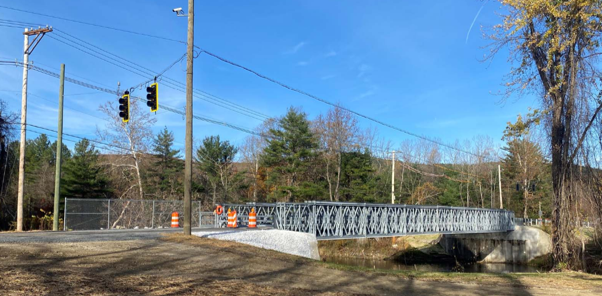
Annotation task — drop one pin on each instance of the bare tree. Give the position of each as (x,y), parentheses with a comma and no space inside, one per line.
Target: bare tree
(252,149)
(338,132)
(130,141)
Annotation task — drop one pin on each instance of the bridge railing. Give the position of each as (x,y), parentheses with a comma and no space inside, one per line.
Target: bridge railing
(335,220)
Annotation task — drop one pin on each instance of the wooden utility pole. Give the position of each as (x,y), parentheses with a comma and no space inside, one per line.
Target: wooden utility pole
(393,178)
(27,50)
(188,148)
(59,152)
(499,176)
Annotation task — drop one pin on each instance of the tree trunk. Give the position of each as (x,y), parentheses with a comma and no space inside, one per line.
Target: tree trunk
(481,192)
(215,193)
(328,179)
(560,240)
(336,189)
(467,195)
(256,176)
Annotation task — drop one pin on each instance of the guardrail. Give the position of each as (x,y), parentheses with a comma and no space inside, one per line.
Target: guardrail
(338,220)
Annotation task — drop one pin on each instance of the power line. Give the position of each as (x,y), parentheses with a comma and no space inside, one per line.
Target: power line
(92,24)
(168,108)
(140,70)
(45,99)
(176,111)
(145,72)
(266,78)
(333,104)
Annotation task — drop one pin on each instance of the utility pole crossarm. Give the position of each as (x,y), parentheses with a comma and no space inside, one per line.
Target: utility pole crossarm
(39,33)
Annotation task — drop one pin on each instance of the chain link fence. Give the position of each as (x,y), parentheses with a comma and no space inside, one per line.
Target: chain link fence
(101,214)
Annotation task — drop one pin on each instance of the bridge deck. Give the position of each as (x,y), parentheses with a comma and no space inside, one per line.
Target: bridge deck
(338,220)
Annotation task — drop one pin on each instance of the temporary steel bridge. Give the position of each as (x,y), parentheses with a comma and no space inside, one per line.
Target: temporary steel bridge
(341,220)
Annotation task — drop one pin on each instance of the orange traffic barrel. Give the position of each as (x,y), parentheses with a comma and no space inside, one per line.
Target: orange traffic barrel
(230,214)
(252,218)
(234,219)
(175,220)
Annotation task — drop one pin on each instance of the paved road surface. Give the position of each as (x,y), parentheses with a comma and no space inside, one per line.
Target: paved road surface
(93,235)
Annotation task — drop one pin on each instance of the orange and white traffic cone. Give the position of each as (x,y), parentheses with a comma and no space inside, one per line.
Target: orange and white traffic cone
(175,220)
(252,219)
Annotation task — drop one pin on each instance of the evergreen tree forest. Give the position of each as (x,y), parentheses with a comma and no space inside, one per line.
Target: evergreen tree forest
(292,158)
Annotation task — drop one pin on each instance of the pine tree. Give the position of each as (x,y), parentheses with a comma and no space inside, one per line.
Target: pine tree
(215,159)
(84,178)
(167,169)
(356,176)
(288,155)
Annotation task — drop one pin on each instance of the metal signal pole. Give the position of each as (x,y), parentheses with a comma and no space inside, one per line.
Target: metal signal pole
(27,50)
(188,148)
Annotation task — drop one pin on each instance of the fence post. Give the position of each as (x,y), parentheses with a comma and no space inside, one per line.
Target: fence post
(109,216)
(153,218)
(65,216)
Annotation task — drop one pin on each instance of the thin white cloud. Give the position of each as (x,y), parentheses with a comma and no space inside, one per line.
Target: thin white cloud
(365,94)
(331,53)
(363,69)
(302,63)
(328,77)
(295,48)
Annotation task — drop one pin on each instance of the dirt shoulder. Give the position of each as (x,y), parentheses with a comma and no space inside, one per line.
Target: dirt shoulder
(192,266)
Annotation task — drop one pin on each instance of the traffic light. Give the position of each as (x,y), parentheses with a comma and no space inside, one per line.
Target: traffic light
(152,98)
(124,107)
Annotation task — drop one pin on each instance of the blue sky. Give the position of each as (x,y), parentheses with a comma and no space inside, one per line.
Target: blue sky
(407,63)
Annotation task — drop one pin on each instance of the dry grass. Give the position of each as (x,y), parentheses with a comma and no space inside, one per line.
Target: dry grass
(182,265)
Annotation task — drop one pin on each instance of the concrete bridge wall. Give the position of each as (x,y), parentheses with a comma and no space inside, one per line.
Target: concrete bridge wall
(518,246)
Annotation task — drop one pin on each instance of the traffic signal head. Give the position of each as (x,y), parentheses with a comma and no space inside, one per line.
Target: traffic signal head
(152,98)
(124,107)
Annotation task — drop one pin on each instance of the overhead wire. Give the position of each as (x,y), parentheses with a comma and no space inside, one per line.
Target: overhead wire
(273,81)
(335,105)
(92,24)
(50,101)
(282,85)
(140,70)
(104,55)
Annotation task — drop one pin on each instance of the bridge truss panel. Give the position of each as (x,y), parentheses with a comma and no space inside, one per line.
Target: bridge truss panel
(338,220)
